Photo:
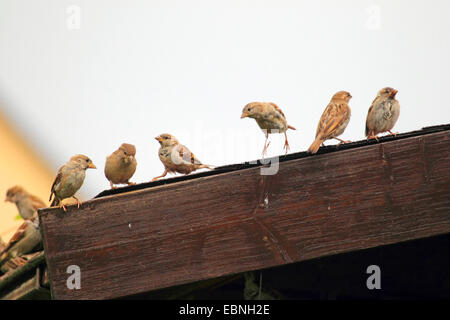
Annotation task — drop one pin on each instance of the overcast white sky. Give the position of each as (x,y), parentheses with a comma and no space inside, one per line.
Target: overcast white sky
(135,69)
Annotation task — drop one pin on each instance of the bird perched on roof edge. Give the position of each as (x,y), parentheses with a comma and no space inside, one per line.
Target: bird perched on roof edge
(176,157)
(333,121)
(383,113)
(269,118)
(69,179)
(121,165)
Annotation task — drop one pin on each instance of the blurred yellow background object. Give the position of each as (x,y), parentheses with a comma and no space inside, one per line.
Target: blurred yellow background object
(19,165)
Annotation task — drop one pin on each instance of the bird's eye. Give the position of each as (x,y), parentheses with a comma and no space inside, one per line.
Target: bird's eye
(87,160)
(248,109)
(166,138)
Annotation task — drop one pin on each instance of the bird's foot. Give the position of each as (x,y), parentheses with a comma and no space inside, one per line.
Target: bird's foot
(264,152)
(131,183)
(372,136)
(79,203)
(161,176)
(286,146)
(342,141)
(392,133)
(63,207)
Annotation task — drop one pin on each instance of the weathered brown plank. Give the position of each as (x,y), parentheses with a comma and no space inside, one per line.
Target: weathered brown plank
(239,221)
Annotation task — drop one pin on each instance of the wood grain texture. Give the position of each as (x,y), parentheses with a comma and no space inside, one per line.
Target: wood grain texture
(237,221)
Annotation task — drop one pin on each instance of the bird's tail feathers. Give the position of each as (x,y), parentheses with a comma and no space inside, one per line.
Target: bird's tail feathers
(315,145)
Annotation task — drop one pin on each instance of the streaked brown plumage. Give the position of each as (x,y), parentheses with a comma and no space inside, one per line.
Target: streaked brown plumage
(383,113)
(121,165)
(26,238)
(333,121)
(27,204)
(69,179)
(176,157)
(269,118)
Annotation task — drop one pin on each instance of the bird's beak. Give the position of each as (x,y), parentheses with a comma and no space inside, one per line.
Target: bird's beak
(159,139)
(244,115)
(92,166)
(130,157)
(393,93)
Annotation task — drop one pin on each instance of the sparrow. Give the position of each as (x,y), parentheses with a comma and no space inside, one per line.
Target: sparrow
(383,113)
(176,157)
(121,165)
(26,203)
(333,121)
(26,238)
(269,118)
(69,179)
